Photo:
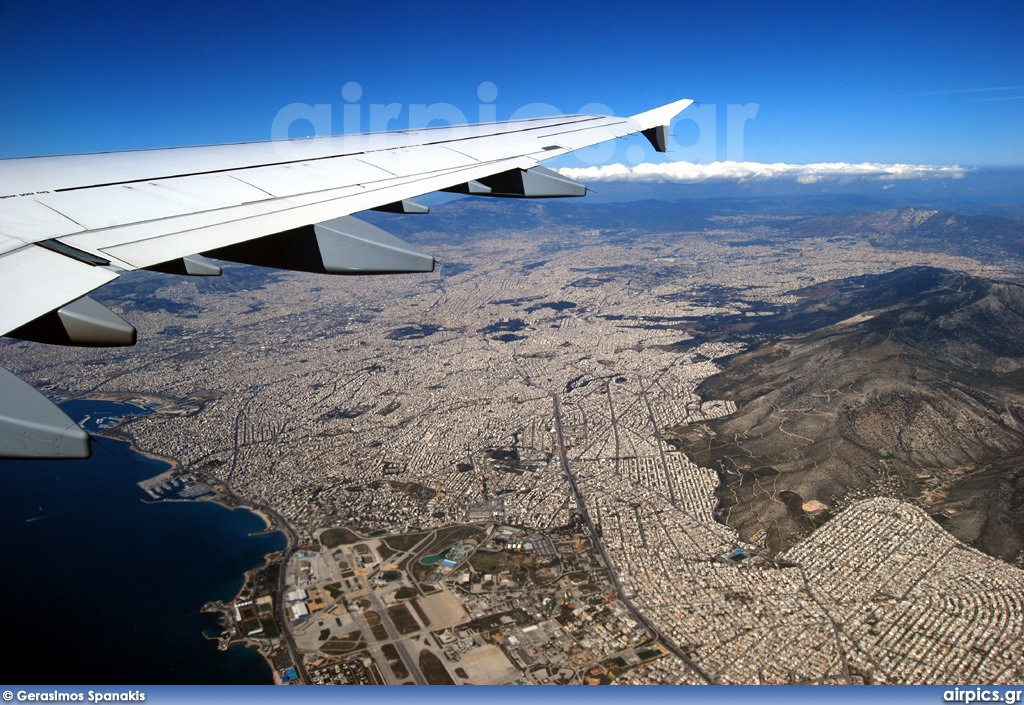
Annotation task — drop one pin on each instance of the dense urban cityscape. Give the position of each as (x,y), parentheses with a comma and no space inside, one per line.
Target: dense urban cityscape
(483,478)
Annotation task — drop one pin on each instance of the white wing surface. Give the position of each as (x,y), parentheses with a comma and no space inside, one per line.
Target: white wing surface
(69,224)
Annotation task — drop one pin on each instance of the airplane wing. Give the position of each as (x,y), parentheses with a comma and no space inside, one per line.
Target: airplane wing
(69,224)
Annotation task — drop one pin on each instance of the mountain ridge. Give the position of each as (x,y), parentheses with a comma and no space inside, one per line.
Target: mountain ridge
(922,399)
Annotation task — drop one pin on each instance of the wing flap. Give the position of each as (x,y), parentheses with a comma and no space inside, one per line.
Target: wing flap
(36,281)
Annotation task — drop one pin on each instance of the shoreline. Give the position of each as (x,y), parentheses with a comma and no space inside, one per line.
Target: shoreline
(224,497)
(226,640)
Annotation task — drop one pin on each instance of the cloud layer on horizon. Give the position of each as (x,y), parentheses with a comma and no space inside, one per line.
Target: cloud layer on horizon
(746,172)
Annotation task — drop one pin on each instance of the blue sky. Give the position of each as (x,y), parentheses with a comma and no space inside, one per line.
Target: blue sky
(892,82)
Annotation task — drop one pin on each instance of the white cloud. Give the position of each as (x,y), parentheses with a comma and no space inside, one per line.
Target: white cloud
(746,172)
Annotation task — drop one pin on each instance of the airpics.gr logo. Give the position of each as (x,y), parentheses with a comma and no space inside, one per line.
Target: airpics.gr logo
(696,136)
(981,695)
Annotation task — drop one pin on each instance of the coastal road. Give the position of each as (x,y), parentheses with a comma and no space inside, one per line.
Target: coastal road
(282,615)
(279,524)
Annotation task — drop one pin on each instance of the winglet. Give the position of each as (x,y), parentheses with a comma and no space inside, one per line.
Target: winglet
(661,116)
(654,123)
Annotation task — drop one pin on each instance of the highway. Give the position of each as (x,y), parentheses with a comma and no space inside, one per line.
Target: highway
(619,592)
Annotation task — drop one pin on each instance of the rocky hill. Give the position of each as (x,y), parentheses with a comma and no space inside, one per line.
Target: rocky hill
(921,398)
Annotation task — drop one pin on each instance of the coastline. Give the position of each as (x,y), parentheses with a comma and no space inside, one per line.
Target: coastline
(223,496)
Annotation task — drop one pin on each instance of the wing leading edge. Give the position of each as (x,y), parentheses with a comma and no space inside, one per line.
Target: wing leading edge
(69,224)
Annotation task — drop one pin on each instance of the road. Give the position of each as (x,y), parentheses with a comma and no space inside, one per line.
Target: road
(282,615)
(283,618)
(411,664)
(619,592)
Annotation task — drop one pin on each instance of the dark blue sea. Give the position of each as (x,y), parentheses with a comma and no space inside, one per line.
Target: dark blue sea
(99,586)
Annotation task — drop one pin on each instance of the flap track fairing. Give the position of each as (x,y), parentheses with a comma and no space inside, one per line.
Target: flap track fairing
(32,426)
(83,322)
(341,246)
(538,182)
(406,205)
(192,265)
